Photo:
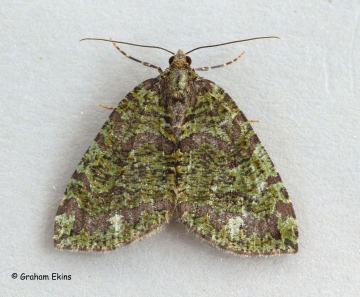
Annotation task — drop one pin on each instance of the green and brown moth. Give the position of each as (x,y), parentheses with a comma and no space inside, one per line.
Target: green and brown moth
(177,145)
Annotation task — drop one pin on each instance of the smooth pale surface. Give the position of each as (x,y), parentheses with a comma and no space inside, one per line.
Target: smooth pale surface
(303,89)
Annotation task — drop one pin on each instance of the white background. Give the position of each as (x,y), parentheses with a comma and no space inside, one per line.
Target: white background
(303,89)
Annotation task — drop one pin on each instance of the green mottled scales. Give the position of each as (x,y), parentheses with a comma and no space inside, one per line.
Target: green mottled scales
(177,145)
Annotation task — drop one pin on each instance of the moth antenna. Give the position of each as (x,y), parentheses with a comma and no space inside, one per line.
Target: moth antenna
(221,65)
(236,41)
(137,60)
(129,43)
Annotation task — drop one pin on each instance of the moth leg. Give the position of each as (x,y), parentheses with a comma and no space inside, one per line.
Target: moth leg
(106,107)
(221,65)
(136,60)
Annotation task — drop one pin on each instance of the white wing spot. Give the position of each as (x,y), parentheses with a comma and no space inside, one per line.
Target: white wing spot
(117,222)
(233,226)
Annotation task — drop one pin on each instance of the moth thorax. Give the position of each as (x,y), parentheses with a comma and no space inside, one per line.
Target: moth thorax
(177,115)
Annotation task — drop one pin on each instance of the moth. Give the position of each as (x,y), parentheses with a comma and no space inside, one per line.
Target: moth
(177,146)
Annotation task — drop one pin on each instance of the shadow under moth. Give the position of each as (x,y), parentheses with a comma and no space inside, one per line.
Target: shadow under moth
(177,145)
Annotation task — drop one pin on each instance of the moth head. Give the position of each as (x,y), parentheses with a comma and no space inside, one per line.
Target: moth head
(180,60)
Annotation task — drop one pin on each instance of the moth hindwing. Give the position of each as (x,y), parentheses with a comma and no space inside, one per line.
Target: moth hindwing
(177,145)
